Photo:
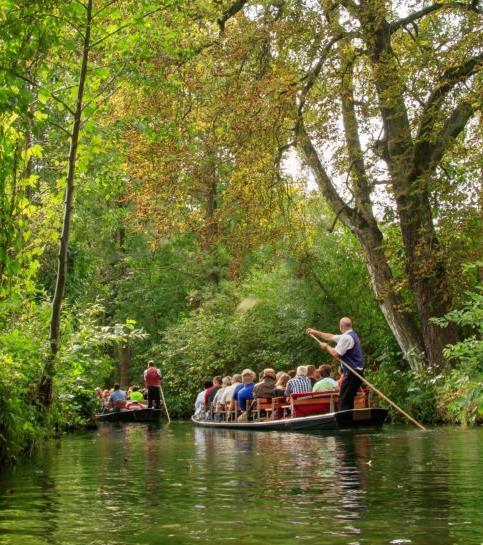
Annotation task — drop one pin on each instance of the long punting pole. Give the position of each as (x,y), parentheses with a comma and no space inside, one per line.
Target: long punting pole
(353,371)
(164,403)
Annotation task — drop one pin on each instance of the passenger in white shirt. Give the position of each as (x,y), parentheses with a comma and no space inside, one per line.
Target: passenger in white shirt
(230,391)
(200,398)
(220,394)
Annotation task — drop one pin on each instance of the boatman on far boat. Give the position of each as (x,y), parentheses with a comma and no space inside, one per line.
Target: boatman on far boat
(152,381)
(349,351)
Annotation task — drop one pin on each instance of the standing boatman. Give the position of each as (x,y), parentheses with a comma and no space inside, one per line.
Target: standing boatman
(349,351)
(152,381)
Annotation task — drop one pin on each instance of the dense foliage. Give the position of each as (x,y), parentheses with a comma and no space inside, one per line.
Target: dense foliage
(199,182)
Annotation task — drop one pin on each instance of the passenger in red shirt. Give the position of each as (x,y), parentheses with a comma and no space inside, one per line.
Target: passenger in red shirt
(152,381)
(211,392)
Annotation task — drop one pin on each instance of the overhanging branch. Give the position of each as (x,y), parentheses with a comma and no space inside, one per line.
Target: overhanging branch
(433,106)
(452,127)
(230,12)
(467,6)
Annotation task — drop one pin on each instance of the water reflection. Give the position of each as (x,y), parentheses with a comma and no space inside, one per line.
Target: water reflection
(330,473)
(139,485)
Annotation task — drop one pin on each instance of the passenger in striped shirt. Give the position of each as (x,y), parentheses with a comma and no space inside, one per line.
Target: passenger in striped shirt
(300,384)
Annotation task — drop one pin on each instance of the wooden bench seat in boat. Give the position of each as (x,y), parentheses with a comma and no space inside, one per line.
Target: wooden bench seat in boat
(306,404)
(309,403)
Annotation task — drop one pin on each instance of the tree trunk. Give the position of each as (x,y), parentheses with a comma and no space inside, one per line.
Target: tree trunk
(212,223)
(68,203)
(370,237)
(425,267)
(124,364)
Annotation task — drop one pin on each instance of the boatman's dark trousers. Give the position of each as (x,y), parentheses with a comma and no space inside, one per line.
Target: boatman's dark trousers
(348,390)
(154,399)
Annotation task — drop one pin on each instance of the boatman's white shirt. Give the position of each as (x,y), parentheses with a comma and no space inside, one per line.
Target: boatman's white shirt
(344,343)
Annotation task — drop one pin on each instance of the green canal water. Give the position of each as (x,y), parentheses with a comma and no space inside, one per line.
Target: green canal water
(137,485)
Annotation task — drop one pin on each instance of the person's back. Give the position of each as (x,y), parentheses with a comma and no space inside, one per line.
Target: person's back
(136,395)
(211,392)
(266,388)
(300,383)
(245,394)
(229,392)
(200,398)
(117,399)
(152,381)
(152,377)
(312,374)
(219,399)
(281,385)
(326,382)
(246,391)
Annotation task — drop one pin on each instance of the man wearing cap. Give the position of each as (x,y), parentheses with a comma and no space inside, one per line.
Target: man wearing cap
(349,351)
(152,381)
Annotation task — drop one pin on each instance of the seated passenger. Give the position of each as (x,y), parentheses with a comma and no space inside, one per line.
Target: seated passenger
(105,399)
(200,398)
(117,399)
(300,384)
(326,383)
(245,393)
(231,390)
(219,399)
(292,373)
(312,374)
(136,395)
(265,388)
(281,385)
(211,392)
(99,398)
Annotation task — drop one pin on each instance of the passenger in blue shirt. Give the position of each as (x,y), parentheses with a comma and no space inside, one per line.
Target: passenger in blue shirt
(118,398)
(246,391)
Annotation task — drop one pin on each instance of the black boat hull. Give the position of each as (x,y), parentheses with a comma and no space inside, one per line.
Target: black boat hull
(130,415)
(353,419)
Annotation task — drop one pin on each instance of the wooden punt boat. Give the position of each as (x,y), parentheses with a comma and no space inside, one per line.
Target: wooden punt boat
(310,411)
(130,415)
(341,420)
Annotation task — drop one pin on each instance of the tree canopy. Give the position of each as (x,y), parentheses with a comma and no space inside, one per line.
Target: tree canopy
(162,161)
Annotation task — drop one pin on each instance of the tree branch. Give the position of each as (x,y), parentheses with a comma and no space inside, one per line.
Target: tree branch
(105,6)
(470,6)
(353,143)
(327,188)
(35,84)
(311,77)
(452,127)
(230,12)
(131,23)
(63,129)
(432,108)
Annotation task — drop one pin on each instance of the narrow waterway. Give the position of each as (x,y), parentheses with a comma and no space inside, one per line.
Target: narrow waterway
(139,485)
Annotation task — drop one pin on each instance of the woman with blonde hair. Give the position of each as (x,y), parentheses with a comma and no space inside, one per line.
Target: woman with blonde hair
(282,379)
